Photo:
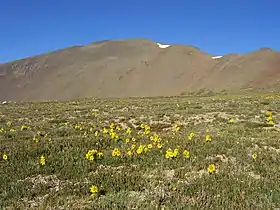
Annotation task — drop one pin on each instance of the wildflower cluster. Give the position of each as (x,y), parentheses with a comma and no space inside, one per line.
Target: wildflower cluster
(269,118)
(155,138)
(136,152)
(35,139)
(112,132)
(170,154)
(94,154)
(191,135)
(116,152)
(128,131)
(24,127)
(140,149)
(176,128)
(145,129)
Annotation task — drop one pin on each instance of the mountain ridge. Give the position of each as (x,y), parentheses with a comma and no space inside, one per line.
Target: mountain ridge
(134,67)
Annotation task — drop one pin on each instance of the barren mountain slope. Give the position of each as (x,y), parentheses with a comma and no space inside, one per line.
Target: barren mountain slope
(259,69)
(134,67)
(171,72)
(74,72)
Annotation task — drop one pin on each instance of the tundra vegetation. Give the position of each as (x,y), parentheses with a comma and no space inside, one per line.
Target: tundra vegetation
(216,152)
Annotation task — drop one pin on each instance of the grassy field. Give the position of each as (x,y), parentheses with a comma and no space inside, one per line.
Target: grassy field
(219,152)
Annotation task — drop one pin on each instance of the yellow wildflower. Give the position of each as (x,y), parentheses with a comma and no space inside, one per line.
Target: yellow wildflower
(191,135)
(155,138)
(133,146)
(231,121)
(268,114)
(35,139)
(133,139)
(91,157)
(254,156)
(100,154)
(186,154)
(159,145)
(92,154)
(140,150)
(171,154)
(112,125)
(93,189)
(271,122)
(105,130)
(150,146)
(147,132)
(147,127)
(176,128)
(269,118)
(128,131)
(96,133)
(23,127)
(211,168)
(5,156)
(175,153)
(129,153)
(116,152)
(42,160)
(78,127)
(208,138)
(127,140)
(114,135)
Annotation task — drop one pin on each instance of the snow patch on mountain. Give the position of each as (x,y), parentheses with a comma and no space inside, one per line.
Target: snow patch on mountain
(217,57)
(163,46)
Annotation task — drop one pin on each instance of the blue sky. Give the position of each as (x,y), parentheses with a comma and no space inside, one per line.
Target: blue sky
(32,27)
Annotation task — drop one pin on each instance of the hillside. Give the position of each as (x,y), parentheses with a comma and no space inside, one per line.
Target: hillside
(134,67)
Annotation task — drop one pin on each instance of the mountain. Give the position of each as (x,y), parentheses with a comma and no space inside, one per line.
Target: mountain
(134,67)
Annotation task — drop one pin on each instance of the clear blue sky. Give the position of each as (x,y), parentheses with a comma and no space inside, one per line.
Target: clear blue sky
(30,27)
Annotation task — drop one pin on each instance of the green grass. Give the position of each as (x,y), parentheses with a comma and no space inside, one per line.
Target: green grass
(148,180)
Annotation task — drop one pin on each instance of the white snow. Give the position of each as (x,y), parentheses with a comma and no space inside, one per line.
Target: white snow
(4,102)
(217,57)
(163,46)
